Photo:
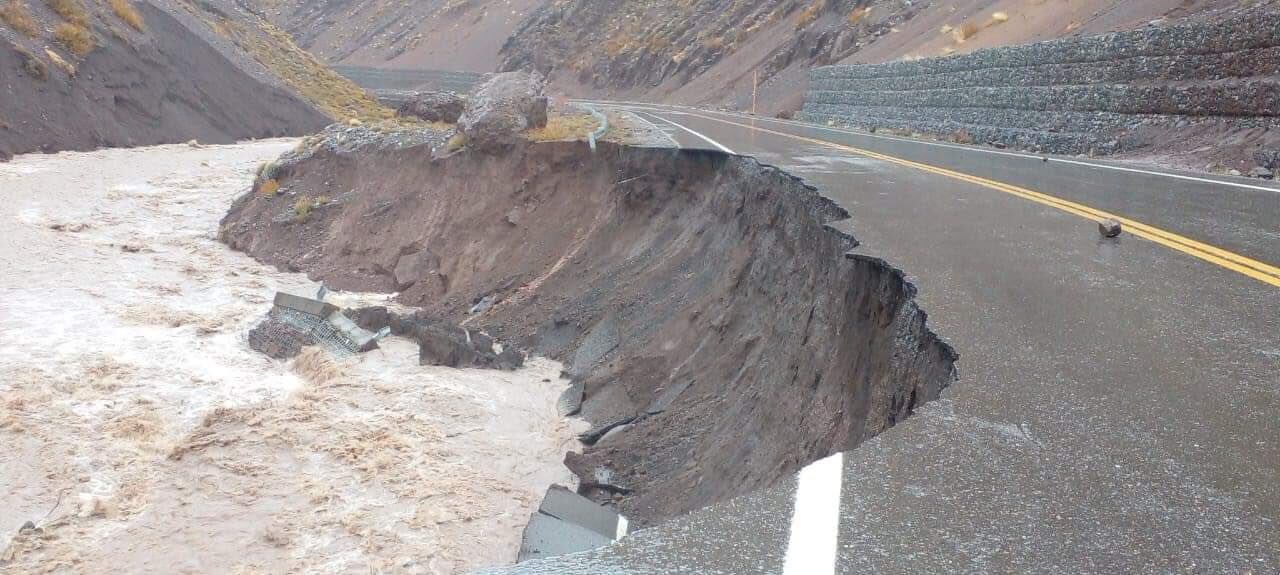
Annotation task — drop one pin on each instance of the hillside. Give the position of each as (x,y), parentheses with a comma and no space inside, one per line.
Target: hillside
(84,74)
(716,51)
(708,52)
(458,35)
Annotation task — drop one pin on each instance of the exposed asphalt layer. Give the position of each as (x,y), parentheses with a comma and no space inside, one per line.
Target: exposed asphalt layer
(1119,402)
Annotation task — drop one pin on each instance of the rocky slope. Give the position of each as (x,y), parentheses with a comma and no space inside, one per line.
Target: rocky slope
(78,75)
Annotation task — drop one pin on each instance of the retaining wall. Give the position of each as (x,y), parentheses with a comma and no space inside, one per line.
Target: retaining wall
(1070,95)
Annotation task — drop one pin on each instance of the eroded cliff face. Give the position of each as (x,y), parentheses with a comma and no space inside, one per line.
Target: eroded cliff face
(698,297)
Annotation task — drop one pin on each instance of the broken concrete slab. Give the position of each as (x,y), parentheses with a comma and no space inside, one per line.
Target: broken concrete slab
(566,505)
(305,305)
(363,340)
(546,536)
(569,523)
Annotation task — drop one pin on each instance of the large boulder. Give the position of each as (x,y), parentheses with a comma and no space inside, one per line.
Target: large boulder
(444,107)
(503,107)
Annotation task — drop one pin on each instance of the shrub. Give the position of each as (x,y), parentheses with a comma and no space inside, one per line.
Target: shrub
(457,142)
(33,65)
(268,170)
(961,136)
(71,11)
(15,14)
(125,11)
(302,209)
(269,188)
(964,32)
(77,39)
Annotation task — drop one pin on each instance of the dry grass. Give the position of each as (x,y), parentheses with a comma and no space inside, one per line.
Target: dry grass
(267,170)
(336,96)
(857,15)
(32,64)
(71,11)
(456,142)
(964,32)
(808,15)
(125,11)
(302,209)
(998,18)
(76,38)
(961,136)
(60,62)
(18,17)
(562,128)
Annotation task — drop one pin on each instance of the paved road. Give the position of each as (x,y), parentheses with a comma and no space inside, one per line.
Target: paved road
(1119,402)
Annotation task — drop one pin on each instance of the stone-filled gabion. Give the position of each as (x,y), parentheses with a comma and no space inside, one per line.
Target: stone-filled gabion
(1072,95)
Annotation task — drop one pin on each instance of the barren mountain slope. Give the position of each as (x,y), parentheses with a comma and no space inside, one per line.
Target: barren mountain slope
(430,34)
(79,74)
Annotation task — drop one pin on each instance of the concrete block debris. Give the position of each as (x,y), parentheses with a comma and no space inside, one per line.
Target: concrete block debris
(296,322)
(569,523)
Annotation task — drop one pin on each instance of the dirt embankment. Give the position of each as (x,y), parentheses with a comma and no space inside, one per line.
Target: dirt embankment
(700,296)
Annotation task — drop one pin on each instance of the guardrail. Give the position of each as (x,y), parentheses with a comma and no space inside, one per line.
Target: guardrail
(598,132)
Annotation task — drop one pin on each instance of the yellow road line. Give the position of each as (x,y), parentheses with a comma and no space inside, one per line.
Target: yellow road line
(1255,269)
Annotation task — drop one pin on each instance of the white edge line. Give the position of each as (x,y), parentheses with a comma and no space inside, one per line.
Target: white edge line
(815,523)
(1059,159)
(722,147)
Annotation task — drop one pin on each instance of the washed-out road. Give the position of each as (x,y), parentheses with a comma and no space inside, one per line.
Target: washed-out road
(1118,409)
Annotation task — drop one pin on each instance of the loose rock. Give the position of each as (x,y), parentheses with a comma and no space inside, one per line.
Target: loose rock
(503,107)
(444,107)
(1261,172)
(1109,228)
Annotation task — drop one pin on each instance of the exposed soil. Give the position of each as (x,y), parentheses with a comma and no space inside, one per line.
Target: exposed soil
(140,434)
(699,296)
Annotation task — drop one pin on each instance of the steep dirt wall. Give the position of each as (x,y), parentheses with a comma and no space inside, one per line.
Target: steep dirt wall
(1102,93)
(162,86)
(701,296)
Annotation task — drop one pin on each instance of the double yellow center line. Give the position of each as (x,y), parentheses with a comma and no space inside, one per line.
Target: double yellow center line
(1255,269)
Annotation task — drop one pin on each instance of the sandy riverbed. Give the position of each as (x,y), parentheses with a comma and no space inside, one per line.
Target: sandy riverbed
(140,434)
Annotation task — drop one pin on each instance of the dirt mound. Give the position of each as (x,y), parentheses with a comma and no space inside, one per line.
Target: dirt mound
(701,297)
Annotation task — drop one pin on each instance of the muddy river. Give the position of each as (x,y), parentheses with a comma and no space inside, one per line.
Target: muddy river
(140,434)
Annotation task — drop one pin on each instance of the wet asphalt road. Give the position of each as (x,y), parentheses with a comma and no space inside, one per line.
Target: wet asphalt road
(1119,402)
